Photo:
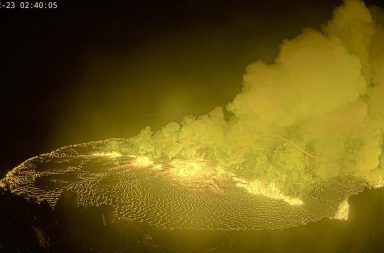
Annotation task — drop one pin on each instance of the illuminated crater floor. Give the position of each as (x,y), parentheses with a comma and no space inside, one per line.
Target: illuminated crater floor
(157,194)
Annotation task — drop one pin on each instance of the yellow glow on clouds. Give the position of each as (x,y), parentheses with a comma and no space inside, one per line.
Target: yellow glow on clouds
(314,114)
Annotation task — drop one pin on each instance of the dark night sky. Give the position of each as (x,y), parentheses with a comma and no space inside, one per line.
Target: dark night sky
(91,70)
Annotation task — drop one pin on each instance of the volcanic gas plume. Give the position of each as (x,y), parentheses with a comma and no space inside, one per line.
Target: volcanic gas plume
(303,135)
(316,113)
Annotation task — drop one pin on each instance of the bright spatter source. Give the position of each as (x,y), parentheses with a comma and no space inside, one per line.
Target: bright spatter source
(171,194)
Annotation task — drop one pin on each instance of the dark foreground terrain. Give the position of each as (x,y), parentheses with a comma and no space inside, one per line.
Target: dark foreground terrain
(29,227)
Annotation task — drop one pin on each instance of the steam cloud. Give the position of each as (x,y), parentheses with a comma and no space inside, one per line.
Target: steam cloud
(316,113)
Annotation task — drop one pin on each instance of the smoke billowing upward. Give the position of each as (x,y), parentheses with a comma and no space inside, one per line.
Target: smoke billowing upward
(316,113)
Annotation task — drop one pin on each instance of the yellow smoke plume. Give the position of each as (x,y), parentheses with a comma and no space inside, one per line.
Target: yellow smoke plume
(315,113)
